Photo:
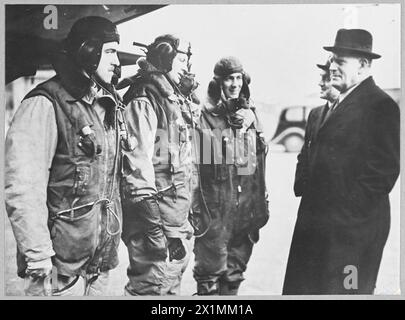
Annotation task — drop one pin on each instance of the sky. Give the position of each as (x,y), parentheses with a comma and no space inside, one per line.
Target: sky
(278,44)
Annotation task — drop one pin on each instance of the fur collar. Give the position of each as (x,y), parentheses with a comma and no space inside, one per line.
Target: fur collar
(212,106)
(156,77)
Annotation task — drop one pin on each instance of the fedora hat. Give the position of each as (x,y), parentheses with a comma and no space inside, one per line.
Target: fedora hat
(324,67)
(357,41)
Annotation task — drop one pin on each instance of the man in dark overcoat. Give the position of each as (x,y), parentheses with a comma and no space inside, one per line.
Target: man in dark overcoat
(315,118)
(344,216)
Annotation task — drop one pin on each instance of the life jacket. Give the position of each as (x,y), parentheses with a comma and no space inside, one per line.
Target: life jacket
(233,186)
(83,190)
(172,157)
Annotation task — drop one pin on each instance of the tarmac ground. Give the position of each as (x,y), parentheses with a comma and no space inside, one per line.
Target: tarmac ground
(266,269)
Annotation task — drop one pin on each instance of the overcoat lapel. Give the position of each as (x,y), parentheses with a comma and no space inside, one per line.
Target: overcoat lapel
(319,120)
(351,100)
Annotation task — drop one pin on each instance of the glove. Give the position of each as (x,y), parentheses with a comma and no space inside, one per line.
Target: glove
(148,212)
(248,117)
(237,113)
(39,269)
(176,249)
(187,83)
(234,120)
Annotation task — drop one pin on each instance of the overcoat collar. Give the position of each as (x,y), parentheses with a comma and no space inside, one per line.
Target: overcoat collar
(353,98)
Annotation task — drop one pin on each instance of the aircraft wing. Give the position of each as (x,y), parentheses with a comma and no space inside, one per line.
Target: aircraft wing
(30,41)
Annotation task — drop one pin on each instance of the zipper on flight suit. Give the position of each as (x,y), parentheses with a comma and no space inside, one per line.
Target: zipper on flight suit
(99,245)
(238,191)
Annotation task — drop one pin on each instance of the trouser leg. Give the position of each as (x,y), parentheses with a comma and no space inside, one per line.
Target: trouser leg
(97,285)
(145,272)
(37,287)
(70,286)
(150,275)
(210,263)
(207,288)
(175,270)
(239,252)
(65,286)
(90,285)
(229,288)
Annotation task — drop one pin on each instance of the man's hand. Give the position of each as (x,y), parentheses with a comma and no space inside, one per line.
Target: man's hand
(145,214)
(248,118)
(39,269)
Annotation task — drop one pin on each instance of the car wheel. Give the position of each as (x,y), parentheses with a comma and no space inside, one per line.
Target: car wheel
(293,143)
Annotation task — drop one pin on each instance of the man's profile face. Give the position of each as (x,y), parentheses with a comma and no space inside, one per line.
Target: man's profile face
(179,67)
(328,92)
(345,71)
(232,85)
(108,62)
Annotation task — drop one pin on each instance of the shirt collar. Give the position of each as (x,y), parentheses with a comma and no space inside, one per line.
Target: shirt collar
(347,92)
(94,93)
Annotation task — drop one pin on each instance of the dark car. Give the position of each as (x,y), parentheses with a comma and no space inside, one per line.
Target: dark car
(290,131)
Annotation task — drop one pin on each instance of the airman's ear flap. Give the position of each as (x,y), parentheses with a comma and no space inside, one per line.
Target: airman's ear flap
(245,91)
(246,78)
(214,90)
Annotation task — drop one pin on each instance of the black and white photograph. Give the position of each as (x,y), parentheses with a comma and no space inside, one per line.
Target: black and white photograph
(187,150)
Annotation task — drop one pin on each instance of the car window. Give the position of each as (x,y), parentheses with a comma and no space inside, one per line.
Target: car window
(295,114)
(307,111)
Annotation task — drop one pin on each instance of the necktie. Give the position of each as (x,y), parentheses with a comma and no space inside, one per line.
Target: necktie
(331,108)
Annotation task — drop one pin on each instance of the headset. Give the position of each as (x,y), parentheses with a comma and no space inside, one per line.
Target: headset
(88,54)
(86,38)
(161,54)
